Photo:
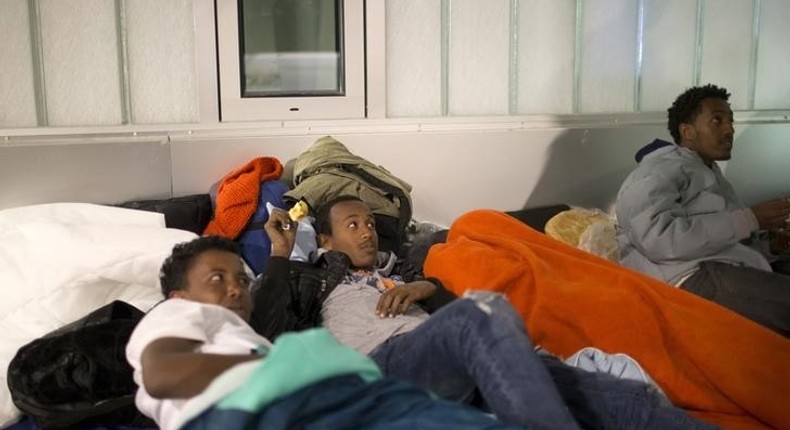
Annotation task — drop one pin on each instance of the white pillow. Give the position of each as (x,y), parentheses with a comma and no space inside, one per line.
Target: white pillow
(60,261)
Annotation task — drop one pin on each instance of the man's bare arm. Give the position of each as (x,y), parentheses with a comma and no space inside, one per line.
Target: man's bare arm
(172,368)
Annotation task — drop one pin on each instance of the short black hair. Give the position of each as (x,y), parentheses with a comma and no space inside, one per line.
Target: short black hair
(689,104)
(323,224)
(173,275)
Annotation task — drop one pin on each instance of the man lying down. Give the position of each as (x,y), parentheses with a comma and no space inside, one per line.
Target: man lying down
(199,365)
(470,349)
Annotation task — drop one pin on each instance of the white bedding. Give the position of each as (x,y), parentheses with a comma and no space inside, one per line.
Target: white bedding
(60,261)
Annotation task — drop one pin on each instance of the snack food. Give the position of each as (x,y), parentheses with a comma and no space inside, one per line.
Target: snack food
(298,211)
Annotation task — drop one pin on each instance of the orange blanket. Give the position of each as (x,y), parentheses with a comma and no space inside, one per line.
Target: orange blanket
(722,368)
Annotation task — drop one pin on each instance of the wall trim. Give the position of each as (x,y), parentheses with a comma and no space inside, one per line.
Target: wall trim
(37,135)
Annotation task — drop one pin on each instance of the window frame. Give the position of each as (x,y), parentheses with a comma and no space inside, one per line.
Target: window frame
(235,108)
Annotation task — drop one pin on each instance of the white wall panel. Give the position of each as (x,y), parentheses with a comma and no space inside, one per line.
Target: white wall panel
(546,50)
(414,71)
(81,70)
(162,75)
(479,55)
(772,89)
(760,165)
(608,61)
(726,47)
(669,51)
(17,92)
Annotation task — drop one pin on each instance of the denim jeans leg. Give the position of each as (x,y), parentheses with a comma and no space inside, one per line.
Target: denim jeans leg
(603,401)
(479,341)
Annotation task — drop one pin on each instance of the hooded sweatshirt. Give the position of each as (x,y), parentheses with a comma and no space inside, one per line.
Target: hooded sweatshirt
(673,212)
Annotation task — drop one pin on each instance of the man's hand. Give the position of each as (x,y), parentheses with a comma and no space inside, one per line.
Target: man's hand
(396,301)
(780,240)
(772,214)
(282,232)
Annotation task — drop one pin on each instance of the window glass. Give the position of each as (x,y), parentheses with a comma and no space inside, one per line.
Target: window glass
(291,59)
(291,48)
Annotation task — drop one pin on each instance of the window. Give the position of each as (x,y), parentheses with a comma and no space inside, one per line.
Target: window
(291,59)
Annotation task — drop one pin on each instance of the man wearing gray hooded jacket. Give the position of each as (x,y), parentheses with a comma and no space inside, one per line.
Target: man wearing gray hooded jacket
(679,219)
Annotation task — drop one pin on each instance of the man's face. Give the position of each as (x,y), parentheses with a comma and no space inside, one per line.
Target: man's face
(710,135)
(353,233)
(218,277)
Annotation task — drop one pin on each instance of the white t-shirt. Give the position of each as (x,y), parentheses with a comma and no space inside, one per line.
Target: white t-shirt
(220,330)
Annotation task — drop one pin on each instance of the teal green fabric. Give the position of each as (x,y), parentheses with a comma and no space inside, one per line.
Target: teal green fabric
(295,361)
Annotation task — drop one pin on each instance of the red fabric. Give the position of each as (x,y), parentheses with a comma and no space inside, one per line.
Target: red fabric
(720,367)
(237,196)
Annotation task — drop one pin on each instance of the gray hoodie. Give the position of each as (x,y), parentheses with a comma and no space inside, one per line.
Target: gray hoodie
(673,212)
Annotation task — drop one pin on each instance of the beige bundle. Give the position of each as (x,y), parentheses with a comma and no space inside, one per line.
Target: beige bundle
(590,230)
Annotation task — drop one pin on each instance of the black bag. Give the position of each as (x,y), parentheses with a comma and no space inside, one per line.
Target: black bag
(78,375)
(190,213)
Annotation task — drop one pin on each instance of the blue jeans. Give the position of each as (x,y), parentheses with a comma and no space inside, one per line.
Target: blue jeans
(480,342)
(602,401)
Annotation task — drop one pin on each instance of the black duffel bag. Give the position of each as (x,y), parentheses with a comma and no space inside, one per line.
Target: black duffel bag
(78,376)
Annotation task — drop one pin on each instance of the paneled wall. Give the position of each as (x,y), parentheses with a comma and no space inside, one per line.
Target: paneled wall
(69,63)
(120,62)
(489,103)
(452,171)
(581,56)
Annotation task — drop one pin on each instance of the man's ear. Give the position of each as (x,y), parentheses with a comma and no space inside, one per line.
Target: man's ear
(325,241)
(177,294)
(687,132)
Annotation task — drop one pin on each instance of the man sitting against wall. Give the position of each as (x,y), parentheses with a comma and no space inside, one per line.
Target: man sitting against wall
(416,331)
(679,219)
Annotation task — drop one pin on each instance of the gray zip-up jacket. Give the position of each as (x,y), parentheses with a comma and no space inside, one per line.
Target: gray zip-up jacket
(673,212)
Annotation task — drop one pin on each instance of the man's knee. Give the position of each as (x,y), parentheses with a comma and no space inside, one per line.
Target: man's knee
(489,302)
(488,308)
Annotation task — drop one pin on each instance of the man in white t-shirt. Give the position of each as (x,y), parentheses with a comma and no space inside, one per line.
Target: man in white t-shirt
(185,342)
(201,330)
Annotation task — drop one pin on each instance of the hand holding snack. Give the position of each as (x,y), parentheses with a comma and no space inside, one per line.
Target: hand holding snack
(282,233)
(298,211)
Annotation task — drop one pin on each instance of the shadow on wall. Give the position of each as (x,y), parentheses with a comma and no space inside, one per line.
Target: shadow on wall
(760,166)
(585,167)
